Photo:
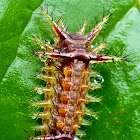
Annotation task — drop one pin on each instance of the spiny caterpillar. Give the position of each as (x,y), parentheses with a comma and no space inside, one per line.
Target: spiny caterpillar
(67,71)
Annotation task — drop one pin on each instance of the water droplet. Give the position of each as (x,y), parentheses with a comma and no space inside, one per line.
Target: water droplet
(33,117)
(92,46)
(39,92)
(96,80)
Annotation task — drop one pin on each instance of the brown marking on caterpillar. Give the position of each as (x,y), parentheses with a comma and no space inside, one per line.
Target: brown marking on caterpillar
(67,72)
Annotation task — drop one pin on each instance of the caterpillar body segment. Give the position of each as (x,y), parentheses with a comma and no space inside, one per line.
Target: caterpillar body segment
(67,81)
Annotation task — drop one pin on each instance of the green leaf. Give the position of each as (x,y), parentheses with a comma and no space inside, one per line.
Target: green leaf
(119,110)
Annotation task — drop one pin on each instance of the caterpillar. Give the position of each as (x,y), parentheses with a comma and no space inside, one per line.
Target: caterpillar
(67,76)
(118,110)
